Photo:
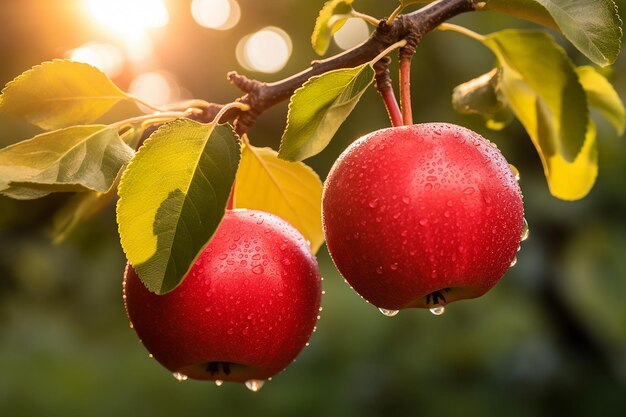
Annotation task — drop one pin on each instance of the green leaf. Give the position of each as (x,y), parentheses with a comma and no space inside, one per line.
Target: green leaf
(547,98)
(78,158)
(602,96)
(173,196)
(593,26)
(291,190)
(319,107)
(479,96)
(330,19)
(60,93)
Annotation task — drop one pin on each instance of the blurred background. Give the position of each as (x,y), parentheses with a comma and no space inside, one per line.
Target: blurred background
(549,339)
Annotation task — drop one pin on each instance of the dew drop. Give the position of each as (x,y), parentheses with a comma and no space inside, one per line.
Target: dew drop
(258,269)
(219,382)
(515,171)
(388,313)
(131,325)
(394,266)
(254,384)
(424,222)
(179,377)
(525,231)
(438,310)
(469,190)
(428,186)
(379,270)
(150,355)
(373,203)
(514,262)
(406,200)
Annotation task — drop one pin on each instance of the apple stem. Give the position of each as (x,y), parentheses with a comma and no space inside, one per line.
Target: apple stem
(405,90)
(384,87)
(434,297)
(406,54)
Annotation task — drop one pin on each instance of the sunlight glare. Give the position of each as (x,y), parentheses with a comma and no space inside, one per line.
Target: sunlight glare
(267,50)
(351,34)
(104,56)
(216,14)
(156,88)
(129,18)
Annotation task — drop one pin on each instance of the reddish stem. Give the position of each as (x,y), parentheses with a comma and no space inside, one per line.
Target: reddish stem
(405,89)
(384,87)
(393,109)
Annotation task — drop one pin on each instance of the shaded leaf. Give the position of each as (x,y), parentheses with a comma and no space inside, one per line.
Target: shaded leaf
(479,96)
(77,158)
(593,26)
(602,96)
(319,107)
(547,98)
(77,209)
(60,93)
(291,190)
(173,196)
(331,18)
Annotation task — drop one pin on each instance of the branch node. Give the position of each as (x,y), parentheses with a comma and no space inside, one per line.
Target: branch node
(245,84)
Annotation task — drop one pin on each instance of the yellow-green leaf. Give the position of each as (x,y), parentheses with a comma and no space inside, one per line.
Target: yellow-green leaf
(173,196)
(574,180)
(602,96)
(330,19)
(319,107)
(291,190)
(549,101)
(60,93)
(78,158)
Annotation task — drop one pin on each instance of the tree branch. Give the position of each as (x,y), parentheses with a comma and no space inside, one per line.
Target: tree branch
(261,96)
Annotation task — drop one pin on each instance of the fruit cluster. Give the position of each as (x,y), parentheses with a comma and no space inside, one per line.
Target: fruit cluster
(414,217)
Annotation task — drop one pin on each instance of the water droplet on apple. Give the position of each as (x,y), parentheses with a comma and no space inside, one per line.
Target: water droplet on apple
(514,262)
(469,190)
(515,171)
(379,270)
(394,266)
(150,355)
(373,203)
(438,310)
(254,384)
(423,222)
(525,230)
(388,313)
(180,377)
(219,382)
(428,186)
(131,325)
(258,269)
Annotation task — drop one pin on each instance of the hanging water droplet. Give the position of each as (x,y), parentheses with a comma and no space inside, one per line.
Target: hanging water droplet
(131,325)
(525,230)
(219,382)
(514,262)
(150,355)
(388,313)
(254,384)
(438,310)
(179,376)
(515,171)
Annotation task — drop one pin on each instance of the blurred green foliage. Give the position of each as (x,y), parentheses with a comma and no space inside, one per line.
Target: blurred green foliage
(550,339)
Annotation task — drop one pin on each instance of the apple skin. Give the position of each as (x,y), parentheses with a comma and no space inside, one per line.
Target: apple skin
(419,211)
(251,300)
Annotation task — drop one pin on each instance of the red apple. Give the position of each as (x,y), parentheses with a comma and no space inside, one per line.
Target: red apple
(422,215)
(245,310)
